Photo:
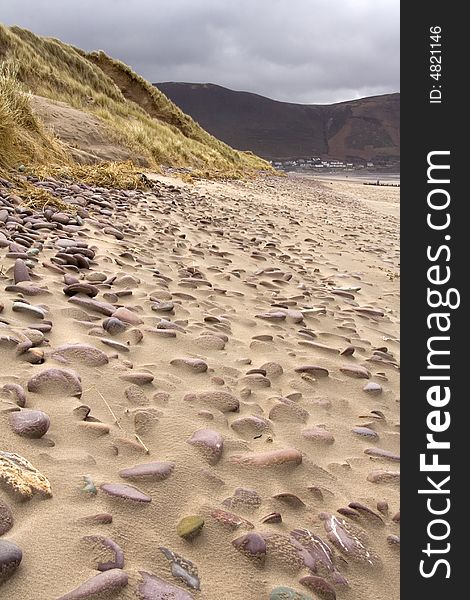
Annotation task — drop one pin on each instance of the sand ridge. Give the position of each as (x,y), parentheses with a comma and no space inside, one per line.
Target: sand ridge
(258,320)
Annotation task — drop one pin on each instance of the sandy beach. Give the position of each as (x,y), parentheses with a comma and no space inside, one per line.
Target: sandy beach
(243,338)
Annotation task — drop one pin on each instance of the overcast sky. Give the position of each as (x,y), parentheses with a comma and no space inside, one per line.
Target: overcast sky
(312,51)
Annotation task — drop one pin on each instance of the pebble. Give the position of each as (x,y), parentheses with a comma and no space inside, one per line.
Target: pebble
(56,382)
(380,453)
(251,426)
(195,365)
(286,593)
(247,498)
(154,588)
(183,569)
(253,546)
(81,353)
(372,388)
(6,518)
(97,519)
(314,370)
(230,520)
(127,316)
(16,392)
(223,401)
(365,432)
(320,586)
(29,423)
(268,459)
(318,435)
(209,442)
(20,271)
(10,559)
(347,541)
(106,582)
(154,471)
(81,287)
(381,476)
(126,492)
(114,326)
(29,309)
(190,527)
(138,378)
(357,372)
(109,545)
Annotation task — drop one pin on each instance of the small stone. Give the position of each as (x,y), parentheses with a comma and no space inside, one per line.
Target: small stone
(210,443)
(154,588)
(365,432)
(380,476)
(97,519)
(380,453)
(10,559)
(109,581)
(114,326)
(372,388)
(20,271)
(230,520)
(183,569)
(318,435)
(314,370)
(251,426)
(268,459)
(29,423)
(251,545)
(107,544)
(81,353)
(286,593)
(32,311)
(190,527)
(81,288)
(56,381)
(194,365)
(290,499)
(246,498)
(272,369)
(127,316)
(223,401)
(16,392)
(6,518)
(127,492)
(356,371)
(138,378)
(273,517)
(155,471)
(320,586)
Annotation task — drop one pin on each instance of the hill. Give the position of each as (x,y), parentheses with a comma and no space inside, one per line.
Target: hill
(127,110)
(365,129)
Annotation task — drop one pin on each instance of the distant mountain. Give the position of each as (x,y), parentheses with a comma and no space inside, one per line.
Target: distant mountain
(365,129)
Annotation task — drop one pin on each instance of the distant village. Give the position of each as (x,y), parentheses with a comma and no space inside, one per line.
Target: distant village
(301,164)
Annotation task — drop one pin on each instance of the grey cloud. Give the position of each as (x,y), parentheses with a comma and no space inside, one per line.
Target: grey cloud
(310,51)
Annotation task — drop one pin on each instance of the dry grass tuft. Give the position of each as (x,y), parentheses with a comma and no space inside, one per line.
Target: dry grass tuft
(22,138)
(121,175)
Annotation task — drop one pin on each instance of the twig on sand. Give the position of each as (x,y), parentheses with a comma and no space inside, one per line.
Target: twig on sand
(116,421)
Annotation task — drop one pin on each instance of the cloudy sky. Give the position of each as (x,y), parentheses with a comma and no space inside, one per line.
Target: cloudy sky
(312,51)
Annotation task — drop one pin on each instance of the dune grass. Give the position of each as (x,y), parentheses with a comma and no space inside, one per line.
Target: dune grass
(22,137)
(145,121)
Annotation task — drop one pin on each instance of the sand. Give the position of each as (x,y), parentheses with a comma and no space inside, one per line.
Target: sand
(272,275)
